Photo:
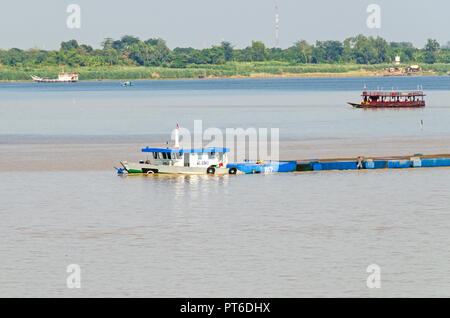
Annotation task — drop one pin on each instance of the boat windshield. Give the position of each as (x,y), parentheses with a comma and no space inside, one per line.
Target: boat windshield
(167,155)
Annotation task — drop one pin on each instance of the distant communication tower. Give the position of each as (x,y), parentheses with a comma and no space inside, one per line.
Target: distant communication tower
(277,27)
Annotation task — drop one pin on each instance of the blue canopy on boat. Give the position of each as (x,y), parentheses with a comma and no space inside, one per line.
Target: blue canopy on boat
(202,150)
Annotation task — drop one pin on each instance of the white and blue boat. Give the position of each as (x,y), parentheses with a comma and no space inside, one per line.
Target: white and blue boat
(176,160)
(182,161)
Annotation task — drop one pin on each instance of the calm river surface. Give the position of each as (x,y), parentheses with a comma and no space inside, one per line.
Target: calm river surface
(285,235)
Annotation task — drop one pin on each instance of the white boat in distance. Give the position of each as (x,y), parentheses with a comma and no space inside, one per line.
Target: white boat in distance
(62,77)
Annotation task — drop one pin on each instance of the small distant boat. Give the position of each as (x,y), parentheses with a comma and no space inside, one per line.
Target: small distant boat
(63,77)
(391,99)
(127,83)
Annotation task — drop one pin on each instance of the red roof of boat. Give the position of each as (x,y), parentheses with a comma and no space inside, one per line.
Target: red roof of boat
(392,93)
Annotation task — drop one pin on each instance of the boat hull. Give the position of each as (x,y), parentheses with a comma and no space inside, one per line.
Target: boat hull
(389,105)
(144,168)
(60,79)
(53,80)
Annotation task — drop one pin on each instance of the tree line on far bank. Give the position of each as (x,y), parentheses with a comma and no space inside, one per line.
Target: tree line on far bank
(131,51)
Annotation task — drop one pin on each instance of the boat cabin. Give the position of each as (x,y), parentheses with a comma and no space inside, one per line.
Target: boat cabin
(204,157)
(392,97)
(68,77)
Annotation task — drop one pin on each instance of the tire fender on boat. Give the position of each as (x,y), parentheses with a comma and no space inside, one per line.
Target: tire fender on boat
(210,170)
(232,171)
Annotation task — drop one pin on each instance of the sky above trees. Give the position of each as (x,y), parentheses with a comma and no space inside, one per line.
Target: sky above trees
(203,23)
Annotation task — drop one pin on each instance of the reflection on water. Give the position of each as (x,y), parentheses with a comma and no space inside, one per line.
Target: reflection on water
(181,184)
(310,234)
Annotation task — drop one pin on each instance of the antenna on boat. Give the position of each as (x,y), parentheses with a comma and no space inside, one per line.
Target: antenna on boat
(177,137)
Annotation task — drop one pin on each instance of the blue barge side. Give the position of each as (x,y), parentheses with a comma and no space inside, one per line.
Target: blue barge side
(251,167)
(398,162)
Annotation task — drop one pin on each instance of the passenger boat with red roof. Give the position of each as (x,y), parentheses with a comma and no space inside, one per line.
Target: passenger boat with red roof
(391,99)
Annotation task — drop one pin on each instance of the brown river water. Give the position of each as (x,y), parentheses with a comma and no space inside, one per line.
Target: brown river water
(277,235)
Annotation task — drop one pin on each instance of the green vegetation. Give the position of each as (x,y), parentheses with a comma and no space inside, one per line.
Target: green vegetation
(131,58)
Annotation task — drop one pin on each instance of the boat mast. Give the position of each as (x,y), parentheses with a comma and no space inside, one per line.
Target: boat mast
(177,137)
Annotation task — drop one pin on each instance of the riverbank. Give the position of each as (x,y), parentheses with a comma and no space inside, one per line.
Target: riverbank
(229,70)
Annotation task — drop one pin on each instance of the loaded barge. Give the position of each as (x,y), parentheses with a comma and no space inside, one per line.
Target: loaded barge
(214,160)
(395,162)
(310,165)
